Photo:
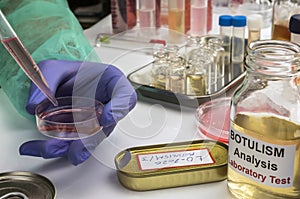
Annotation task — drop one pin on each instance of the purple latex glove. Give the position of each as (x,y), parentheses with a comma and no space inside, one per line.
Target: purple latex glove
(103,82)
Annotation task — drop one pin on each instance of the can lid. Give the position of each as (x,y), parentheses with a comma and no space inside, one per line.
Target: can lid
(294,25)
(254,21)
(225,20)
(239,21)
(24,185)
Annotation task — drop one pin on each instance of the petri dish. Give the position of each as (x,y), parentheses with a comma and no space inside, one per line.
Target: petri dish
(74,118)
(213,119)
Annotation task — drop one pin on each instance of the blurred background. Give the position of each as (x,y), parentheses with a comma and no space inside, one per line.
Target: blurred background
(89,12)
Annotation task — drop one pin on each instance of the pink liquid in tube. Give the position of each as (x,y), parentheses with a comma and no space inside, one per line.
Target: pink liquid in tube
(198,20)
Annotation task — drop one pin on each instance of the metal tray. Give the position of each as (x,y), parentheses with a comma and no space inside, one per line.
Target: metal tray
(141,80)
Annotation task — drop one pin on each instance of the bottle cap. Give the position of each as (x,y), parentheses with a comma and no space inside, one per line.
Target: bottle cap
(225,20)
(254,22)
(239,21)
(294,26)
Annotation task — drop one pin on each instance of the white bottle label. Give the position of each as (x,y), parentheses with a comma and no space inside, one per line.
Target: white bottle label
(263,162)
(175,159)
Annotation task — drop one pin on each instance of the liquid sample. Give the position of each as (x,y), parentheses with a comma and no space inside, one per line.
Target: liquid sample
(253,36)
(159,81)
(209,17)
(214,120)
(157,13)
(147,18)
(196,84)
(176,84)
(24,59)
(164,13)
(271,150)
(198,21)
(123,14)
(131,13)
(281,32)
(176,20)
(187,13)
(69,123)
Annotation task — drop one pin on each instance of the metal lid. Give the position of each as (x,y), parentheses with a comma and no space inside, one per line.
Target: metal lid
(294,25)
(25,185)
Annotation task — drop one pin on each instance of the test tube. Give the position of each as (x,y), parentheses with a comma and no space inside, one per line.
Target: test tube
(176,15)
(225,27)
(198,17)
(238,38)
(254,27)
(147,13)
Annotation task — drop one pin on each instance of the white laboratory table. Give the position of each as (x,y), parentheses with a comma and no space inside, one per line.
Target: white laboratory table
(148,123)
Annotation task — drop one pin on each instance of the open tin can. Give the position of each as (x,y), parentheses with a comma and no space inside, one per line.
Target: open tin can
(25,185)
(172,165)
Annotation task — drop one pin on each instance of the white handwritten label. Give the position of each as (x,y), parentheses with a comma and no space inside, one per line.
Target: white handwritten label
(175,159)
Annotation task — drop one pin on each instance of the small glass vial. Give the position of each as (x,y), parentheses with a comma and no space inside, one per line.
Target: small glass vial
(264,139)
(254,27)
(238,38)
(175,75)
(192,44)
(282,12)
(198,17)
(159,67)
(196,75)
(294,28)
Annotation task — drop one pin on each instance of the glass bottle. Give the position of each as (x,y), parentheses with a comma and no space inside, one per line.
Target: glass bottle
(264,139)
(196,75)
(282,12)
(159,67)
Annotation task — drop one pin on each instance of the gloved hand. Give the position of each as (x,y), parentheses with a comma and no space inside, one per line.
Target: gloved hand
(103,82)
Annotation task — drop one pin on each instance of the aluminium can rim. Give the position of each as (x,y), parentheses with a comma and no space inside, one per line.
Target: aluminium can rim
(26,185)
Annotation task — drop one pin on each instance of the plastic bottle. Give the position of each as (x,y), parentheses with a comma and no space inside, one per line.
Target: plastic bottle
(254,27)
(239,23)
(264,139)
(294,28)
